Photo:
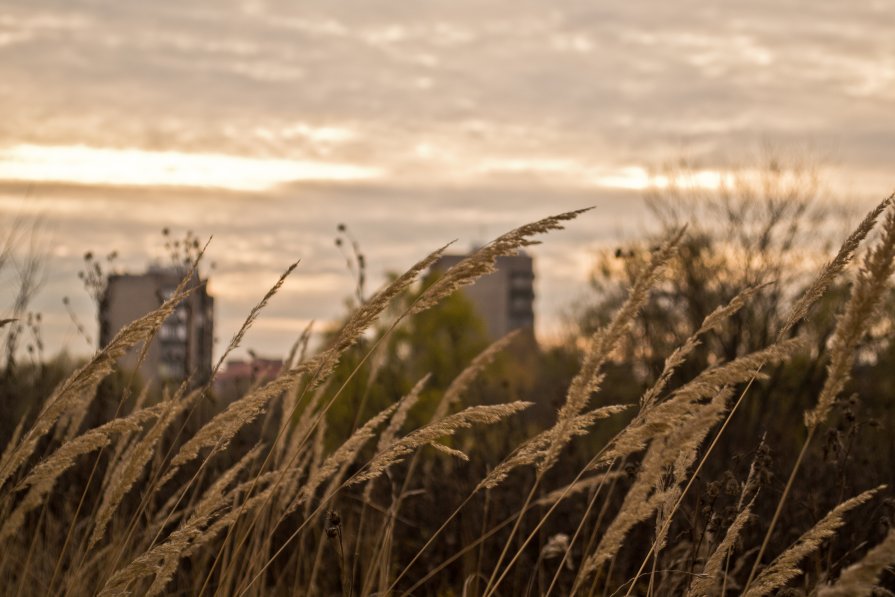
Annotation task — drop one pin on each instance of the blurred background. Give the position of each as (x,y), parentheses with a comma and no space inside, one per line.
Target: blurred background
(268,123)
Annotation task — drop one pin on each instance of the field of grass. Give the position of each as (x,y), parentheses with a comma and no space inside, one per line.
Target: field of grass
(661,477)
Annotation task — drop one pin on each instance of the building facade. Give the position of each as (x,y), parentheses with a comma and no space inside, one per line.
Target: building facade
(182,347)
(504,299)
(239,375)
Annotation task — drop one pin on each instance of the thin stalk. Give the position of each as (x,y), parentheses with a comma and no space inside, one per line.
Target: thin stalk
(71,526)
(578,529)
(652,575)
(779,510)
(429,542)
(323,502)
(478,561)
(634,580)
(27,565)
(357,538)
(593,584)
(318,556)
(488,587)
(543,521)
(441,566)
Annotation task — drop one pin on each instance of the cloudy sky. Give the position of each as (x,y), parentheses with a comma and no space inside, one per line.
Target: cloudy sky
(267,123)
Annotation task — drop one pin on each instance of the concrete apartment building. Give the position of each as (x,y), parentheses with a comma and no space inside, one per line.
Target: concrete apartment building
(503,299)
(182,346)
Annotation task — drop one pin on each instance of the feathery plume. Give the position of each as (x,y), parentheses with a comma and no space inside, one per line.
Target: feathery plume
(400,416)
(544,449)
(85,380)
(428,434)
(220,430)
(683,444)
(122,446)
(639,504)
(680,449)
(42,478)
(605,341)
(712,321)
(365,315)
(152,561)
(130,467)
(668,414)
(230,517)
(537,450)
(236,340)
(397,421)
(784,567)
(832,269)
(450,451)
(215,491)
(706,584)
(170,559)
(860,578)
(866,295)
(686,441)
(218,488)
(590,376)
(162,559)
(346,453)
(676,450)
(482,261)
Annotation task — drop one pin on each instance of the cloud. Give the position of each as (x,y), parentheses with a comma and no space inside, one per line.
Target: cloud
(268,122)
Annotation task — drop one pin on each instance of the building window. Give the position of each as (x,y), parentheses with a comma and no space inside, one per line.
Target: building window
(520,281)
(171,370)
(520,304)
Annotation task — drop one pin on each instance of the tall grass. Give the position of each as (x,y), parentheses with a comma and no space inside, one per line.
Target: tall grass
(251,500)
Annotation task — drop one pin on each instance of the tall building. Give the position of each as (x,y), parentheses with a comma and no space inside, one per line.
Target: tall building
(182,346)
(504,299)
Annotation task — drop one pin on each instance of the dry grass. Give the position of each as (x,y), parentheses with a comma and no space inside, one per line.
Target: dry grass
(252,501)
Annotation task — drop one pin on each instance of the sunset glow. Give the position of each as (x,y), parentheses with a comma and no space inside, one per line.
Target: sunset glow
(137,167)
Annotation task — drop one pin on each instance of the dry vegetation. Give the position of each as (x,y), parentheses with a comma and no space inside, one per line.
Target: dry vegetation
(154,495)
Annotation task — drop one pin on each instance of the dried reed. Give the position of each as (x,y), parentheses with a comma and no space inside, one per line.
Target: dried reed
(785,566)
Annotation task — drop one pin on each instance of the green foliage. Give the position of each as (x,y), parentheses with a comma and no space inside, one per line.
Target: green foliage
(440,341)
(27,385)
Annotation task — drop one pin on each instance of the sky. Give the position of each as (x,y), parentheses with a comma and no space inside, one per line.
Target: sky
(268,123)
